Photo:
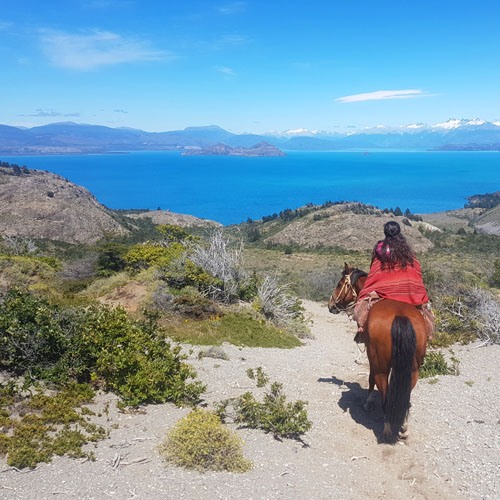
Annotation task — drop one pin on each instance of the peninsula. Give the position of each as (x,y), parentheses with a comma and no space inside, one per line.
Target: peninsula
(220,149)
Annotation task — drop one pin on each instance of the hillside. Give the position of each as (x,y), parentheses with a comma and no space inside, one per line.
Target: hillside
(483,220)
(167,217)
(38,204)
(352,226)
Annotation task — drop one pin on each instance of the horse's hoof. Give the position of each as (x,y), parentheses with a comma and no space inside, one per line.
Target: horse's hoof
(387,434)
(403,434)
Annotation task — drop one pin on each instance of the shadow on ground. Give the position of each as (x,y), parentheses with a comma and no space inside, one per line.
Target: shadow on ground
(352,400)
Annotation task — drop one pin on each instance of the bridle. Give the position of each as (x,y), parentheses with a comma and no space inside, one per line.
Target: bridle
(347,286)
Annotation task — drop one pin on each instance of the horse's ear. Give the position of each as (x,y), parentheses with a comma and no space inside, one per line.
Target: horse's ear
(346,267)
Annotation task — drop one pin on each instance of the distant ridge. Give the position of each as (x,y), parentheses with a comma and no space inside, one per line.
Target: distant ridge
(74,138)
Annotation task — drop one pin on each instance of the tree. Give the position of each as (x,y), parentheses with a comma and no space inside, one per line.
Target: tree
(398,212)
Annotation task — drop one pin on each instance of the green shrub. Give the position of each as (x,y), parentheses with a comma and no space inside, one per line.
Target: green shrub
(94,343)
(110,259)
(436,364)
(200,441)
(131,359)
(174,234)
(182,272)
(284,419)
(44,426)
(147,255)
(32,340)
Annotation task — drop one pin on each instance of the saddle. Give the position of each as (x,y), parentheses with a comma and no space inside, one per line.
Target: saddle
(362,309)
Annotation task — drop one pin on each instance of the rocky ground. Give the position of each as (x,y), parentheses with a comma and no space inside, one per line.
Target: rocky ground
(452,452)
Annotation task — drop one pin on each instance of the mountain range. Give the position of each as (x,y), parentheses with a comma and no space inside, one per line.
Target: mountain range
(73,138)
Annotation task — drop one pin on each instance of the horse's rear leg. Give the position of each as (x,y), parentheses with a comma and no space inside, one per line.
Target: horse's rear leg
(404,433)
(381,379)
(371,393)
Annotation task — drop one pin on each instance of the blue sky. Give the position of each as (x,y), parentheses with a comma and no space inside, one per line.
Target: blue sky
(250,66)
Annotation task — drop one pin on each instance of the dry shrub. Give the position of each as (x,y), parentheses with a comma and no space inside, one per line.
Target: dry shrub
(222,262)
(486,311)
(276,301)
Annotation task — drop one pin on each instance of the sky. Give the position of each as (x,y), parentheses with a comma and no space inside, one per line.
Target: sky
(248,66)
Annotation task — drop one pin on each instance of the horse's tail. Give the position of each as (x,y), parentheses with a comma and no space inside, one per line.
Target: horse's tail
(404,343)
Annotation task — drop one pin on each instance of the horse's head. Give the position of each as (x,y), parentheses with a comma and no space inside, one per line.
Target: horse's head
(346,292)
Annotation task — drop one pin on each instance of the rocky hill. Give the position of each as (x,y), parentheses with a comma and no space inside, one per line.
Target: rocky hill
(167,217)
(483,220)
(38,204)
(353,226)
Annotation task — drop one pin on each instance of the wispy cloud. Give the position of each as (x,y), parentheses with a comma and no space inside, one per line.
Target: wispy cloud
(233,40)
(232,8)
(120,111)
(50,113)
(383,94)
(91,50)
(107,4)
(225,70)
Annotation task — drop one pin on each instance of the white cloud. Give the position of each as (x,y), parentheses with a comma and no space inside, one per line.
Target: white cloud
(225,70)
(50,113)
(383,94)
(94,49)
(232,8)
(235,39)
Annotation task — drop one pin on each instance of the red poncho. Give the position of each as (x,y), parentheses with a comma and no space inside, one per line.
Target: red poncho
(405,285)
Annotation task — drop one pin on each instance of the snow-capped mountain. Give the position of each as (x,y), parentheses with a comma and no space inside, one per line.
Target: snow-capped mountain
(454,134)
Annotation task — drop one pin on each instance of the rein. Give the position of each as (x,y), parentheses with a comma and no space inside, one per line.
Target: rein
(346,286)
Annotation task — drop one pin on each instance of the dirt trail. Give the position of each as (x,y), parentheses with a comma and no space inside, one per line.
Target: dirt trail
(452,451)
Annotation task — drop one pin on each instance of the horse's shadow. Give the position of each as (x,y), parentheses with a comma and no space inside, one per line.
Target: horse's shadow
(352,400)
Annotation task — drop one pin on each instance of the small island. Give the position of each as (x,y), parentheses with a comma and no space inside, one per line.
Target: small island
(260,149)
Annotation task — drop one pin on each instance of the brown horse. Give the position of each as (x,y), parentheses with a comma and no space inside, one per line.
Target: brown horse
(396,340)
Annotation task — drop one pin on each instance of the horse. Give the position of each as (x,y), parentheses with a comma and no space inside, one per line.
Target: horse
(396,340)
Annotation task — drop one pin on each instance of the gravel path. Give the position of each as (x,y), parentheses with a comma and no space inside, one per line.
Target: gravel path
(453,450)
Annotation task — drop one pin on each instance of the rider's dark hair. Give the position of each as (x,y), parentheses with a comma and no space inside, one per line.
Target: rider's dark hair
(394,249)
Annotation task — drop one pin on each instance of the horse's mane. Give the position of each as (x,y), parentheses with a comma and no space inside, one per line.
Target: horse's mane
(355,275)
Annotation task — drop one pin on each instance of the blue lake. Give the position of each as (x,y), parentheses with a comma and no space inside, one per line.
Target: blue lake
(230,189)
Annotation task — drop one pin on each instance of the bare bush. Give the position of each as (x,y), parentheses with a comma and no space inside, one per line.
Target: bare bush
(19,246)
(217,258)
(80,269)
(486,311)
(161,298)
(467,312)
(276,301)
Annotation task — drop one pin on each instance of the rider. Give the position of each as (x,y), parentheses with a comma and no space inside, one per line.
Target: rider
(395,273)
